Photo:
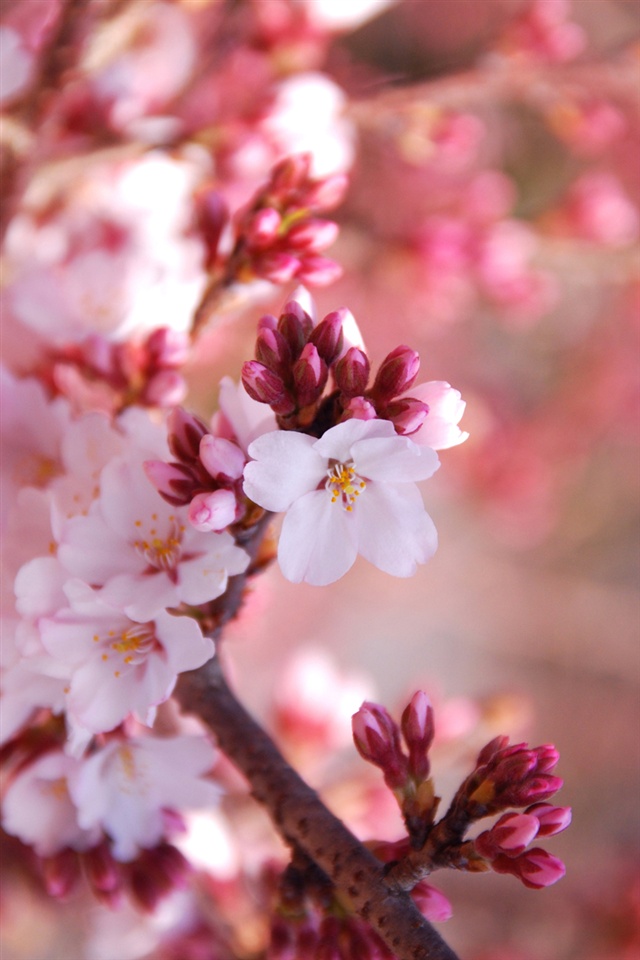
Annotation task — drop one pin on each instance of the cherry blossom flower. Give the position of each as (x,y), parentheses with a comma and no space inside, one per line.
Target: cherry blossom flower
(129,787)
(352,491)
(118,666)
(38,808)
(142,551)
(440,428)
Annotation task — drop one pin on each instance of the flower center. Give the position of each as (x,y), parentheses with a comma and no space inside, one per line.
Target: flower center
(344,484)
(136,643)
(162,553)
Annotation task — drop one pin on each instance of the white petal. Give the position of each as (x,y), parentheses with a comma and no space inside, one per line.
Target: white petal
(318,540)
(141,597)
(336,443)
(285,466)
(395,532)
(396,459)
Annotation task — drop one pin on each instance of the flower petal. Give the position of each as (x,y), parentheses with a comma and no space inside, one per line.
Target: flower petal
(395,459)
(285,466)
(337,442)
(318,540)
(395,532)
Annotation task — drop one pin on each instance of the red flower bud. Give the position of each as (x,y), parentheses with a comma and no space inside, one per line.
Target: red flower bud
(418,730)
(310,374)
(352,373)
(397,373)
(328,337)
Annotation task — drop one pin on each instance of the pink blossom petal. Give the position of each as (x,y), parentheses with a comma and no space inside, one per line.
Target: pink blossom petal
(285,467)
(317,542)
(336,443)
(396,459)
(395,533)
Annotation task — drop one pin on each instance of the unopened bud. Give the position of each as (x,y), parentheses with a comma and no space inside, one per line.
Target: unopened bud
(290,172)
(407,415)
(273,350)
(377,739)
(535,868)
(174,482)
(296,327)
(262,228)
(418,730)
(312,234)
(276,267)
(185,433)
(511,835)
(213,511)
(319,271)
(359,408)
(168,348)
(327,193)
(167,388)
(397,372)
(61,873)
(328,337)
(352,373)
(103,872)
(552,819)
(212,216)
(221,458)
(310,374)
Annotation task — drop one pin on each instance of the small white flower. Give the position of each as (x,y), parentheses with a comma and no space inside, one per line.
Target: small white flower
(352,491)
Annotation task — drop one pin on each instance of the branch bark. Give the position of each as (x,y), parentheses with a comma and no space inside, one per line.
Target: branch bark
(305,823)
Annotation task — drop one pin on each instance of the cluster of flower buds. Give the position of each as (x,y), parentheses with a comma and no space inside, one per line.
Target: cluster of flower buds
(295,360)
(279,236)
(102,374)
(504,845)
(505,776)
(378,739)
(155,873)
(206,473)
(510,776)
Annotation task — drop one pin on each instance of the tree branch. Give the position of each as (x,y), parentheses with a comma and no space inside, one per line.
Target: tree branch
(304,821)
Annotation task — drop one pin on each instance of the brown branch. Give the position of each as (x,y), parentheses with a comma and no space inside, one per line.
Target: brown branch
(305,823)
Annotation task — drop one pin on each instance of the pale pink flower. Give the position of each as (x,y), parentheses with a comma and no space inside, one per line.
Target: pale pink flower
(240,417)
(38,808)
(352,491)
(128,788)
(440,428)
(118,666)
(144,552)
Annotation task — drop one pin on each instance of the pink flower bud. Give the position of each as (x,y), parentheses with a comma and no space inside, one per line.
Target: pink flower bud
(511,835)
(296,327)
(310,374)
(273,350)
(407,415)
(328,336)
(103,872)
(397,372)
(327,193)
(418,730)
(491,750)
(536,868)
(221,458)
(166,389)
(263,227)
(99,353)
(431,903)
(261,383)
(174,482)
(168,348)
(377,739)
(185,433)
(212,217)
(319,271)
(312,234)
(359,409)
(267,322)
(61,873)
(276,267)
(552,819)
(290,172)
(213,511)
(352,373)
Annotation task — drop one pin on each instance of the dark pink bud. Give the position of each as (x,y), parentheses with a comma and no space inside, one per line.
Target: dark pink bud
(547,758)
(262,228)
(296,327)
(327,193)
(221,458)
(535,868)
(490,751)
(418,730)
(273,350)
(267,322)
(168,348)
(397,372)
(431,903)
(185,433)
(103,872)
(276,267)
(511,835)
(407,415)
(352,373)
(310,374)
(359,408)
(319,271)
(532,790)
(377,739)
(328,336)
(261,383)
(312,234)
(61,873)
(165,389)
(290,172)
(212,217)
(552,819)
(174,482)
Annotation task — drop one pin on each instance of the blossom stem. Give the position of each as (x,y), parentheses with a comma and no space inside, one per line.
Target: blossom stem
(305,823)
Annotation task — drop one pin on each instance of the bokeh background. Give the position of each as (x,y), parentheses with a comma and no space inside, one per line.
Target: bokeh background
(492,224)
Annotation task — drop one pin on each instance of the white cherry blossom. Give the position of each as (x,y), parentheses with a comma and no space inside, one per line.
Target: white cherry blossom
(440,428)
(144,552)
(351,492)
(118,666)
(126,788)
